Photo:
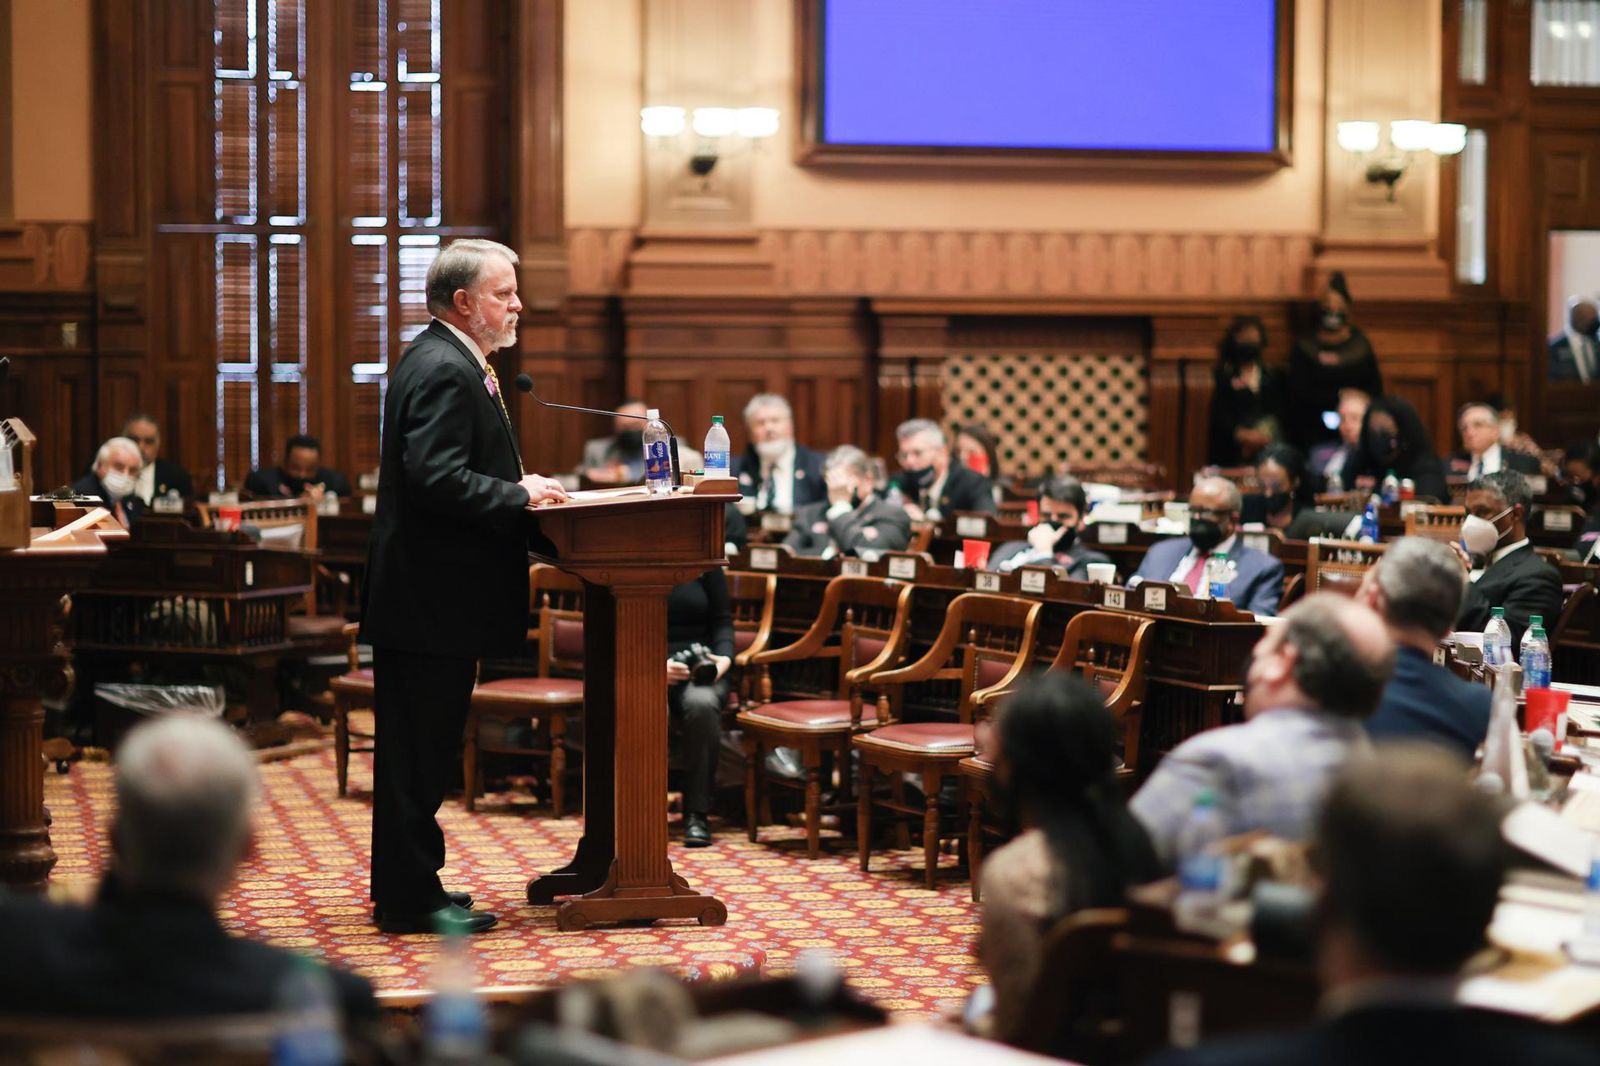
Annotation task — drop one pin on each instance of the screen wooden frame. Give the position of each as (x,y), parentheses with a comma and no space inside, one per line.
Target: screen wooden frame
(812,150)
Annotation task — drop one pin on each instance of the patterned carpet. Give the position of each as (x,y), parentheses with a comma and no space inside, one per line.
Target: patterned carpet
(306,888)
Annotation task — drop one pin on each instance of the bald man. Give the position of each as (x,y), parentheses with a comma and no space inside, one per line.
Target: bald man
(1575,354)
(1313,680)
(1255,579)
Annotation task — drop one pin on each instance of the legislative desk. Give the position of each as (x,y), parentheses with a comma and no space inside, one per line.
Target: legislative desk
(342,540)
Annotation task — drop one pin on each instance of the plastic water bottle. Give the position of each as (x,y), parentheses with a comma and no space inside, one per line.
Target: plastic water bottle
(1218,574)
(455,1026)
(308,1011)
(1390,490)
(1200,864)
(1369,522)
(1591,899)
(1535,657)
(657,455)
(716,449)
(1497,639)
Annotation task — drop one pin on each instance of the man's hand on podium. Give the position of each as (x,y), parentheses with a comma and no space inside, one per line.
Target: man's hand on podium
(543,489)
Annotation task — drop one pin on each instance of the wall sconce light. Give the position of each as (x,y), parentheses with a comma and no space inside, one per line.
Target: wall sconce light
(1406,138)
(712,127)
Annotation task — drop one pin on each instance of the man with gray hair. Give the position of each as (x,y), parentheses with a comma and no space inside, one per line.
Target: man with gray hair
(151,946)
(1416,587)
(931,485)
(854,519)
(1252,579)
(115,479)
(447,572)
(775,474)
(1505,571)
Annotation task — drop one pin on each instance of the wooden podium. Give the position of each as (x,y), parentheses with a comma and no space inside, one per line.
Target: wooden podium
(630,549)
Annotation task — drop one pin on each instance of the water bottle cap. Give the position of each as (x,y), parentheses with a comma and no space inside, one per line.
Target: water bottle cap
(1534,620)
(1205,798)
(1497,612)
(716,420)
(653,413)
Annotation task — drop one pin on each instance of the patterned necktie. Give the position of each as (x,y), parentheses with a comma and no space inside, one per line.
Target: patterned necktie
(1197,574)
(498,398)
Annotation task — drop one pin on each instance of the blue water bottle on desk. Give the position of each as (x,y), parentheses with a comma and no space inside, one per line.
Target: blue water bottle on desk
(1219,572)
(657,454)
(1535,657)
(1369,522)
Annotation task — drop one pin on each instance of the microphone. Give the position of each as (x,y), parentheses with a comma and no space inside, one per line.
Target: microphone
(525,384)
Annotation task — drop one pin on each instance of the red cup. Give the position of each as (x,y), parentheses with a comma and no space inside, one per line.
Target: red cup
(1546,708)
(229,517)
(975,554)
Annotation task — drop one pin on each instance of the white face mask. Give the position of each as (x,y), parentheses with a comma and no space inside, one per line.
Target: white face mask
(771,449)
(1479,535)
(119,484)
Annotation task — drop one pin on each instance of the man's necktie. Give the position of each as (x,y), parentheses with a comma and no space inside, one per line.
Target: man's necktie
(1197,573)
(498,398)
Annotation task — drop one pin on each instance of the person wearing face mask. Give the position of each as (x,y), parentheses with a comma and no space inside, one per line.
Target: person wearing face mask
(1054,540)
(776,475)
(1580,473)
(1285,501)
(1505,570)
(1575,354)
(1214,504)
(932,486)
(1248,402)
(114,479)
(854,519)
(301,474)
(978,451)
(1482,451)
(1394,438)
(619,458)
(1337,355)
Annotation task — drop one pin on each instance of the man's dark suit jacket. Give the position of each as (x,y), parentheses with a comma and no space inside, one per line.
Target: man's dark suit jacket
(1077,560)
(447,566)
(1427,702)
(809,484)
(1258,577)
(143,955)
(1411,1035)
(1510,459)
(964,490)
(877,525)
(170,476)
(1563,361)
(1522,583)
(268,484)
(89,485)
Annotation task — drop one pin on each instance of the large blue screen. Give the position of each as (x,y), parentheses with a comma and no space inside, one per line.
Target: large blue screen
(1150,75)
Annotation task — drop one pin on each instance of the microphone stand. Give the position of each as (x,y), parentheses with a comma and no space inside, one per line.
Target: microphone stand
(525,384)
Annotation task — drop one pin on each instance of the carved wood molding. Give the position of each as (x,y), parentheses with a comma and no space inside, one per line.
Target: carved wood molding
(44,256)
(957,263)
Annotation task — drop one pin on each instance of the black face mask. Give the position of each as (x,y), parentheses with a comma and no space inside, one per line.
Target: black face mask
(1245,353)
(1383,447)
(856,499)
(922,478)
(1206,533)
(1066,535)
(1277,502)
(1333,321)
(295,485)
(631,440)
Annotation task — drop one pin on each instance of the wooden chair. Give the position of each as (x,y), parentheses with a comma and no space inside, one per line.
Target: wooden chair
(1555,525)
(1441,522)
(861,628)
(1339,565)
(1340,501)
(753,597)
(352,690)
(1071,1008)
(922,534)
(1575,638)
(546,701)
(983,647)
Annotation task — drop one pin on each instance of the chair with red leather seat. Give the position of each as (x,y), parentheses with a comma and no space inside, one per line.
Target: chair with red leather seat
(352,690)
(861,627)
(752,597)
(928,710)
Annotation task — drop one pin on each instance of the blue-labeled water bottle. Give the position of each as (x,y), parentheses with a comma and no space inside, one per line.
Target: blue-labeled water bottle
(1369,523)
(716,449)
(1218,574)
(657,454)
(1535,657)
(1390,489)
(307,1008)
(1200,863)
(1497,639)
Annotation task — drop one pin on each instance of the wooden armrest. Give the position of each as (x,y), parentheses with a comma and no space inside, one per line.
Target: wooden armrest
(915,672)
(351,629)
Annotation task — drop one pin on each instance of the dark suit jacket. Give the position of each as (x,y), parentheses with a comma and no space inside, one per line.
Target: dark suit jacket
(447,567)
(1521,462)
(1076,560)
(877,525)
(1563,362)
(1412,1035)
(1522,583)
(1258,581)
(964,490)
(268,484)
(89,485)
(809,485)
(171,476)
(1427,702)
(143,955)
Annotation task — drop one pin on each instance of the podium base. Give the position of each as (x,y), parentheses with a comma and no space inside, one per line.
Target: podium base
(608,903)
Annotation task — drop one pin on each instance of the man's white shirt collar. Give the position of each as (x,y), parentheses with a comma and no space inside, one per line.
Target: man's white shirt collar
(472,345)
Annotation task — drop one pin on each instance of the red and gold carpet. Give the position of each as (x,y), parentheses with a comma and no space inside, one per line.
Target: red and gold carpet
(306,888)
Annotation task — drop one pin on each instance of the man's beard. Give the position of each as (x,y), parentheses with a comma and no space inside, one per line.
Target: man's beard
(490,341)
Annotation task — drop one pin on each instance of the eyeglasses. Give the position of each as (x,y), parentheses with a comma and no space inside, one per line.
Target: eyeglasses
(145,440)
(1208,512)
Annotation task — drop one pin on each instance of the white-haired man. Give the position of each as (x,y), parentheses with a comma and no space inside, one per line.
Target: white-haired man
(447,573)
(115,479)
(151,946)
(776,474)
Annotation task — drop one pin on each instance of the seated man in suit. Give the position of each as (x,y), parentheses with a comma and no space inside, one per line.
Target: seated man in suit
(1214,502)
(775,474)
(933,486)
(1481,452)
(1053,542)
(854,519)
(1506,571)
(115,478)
(1417,587)
(1311,681)
(619,458)
(1412,861)
(150,946)
(300,475)
(158,476)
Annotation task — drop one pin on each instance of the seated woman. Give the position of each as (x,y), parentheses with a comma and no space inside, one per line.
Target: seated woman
(1080,847)
(699,612)
(977,450)
(1286,502)
(1394,438)
(1247,396)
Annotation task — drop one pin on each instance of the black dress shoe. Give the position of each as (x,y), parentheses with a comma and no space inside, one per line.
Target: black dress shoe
(450,919)
(460,899)
(696,831)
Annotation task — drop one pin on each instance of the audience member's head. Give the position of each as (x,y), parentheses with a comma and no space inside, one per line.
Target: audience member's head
(1281,469)
(850,475)
(1328,652)
(117,465)
(472,284)
(977,450)
(1584,317)
(186,790)
(1393,436)
(924,451)
(1214,504)
(1505,412)
(1500,500)
(1063,502)
(1412,860)
(144,431)
(1334,305)
(1242,344)
(1416,586)
(1479,426)
(771,424)
(1581,462)
(1353,404)
(626,426)
(302,458)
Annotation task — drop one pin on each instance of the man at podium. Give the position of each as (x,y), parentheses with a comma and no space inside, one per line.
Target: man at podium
(447,571)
